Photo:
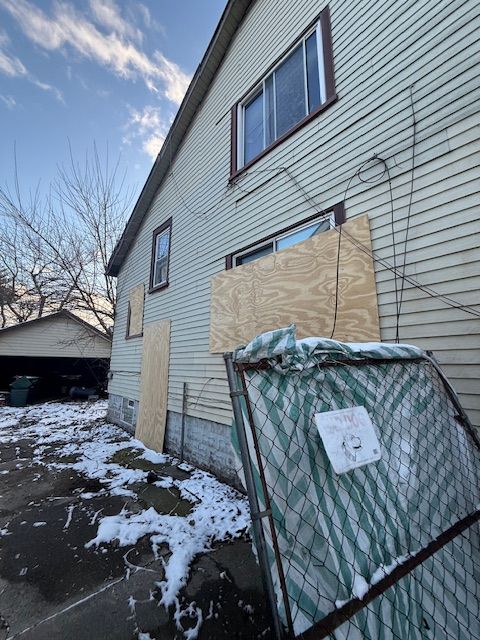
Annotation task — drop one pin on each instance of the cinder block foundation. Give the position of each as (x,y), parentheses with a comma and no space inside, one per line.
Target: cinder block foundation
(206,443)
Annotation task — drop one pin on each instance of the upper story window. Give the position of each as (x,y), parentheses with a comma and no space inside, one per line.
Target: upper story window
(297,88)
(160,256)
(288,237)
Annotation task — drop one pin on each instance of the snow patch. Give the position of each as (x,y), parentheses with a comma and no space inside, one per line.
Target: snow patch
(79,431)
(386,569)
(69,516)
(360,586)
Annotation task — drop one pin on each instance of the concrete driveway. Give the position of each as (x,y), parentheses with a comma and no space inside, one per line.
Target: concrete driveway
(90,549)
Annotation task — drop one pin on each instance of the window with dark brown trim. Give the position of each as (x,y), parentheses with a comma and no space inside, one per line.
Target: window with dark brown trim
(294,90)
(289,236)
(160,260)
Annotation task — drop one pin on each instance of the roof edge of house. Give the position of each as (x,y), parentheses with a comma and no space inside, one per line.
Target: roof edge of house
(64,313)
(232,17)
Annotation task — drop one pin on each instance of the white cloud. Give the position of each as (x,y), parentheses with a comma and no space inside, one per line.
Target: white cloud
(176,82)
(152,146)
(149,22)
(44,86)
(67,27)
(149,127)
(9,101)
(107,14)
(9,65)
(13,67)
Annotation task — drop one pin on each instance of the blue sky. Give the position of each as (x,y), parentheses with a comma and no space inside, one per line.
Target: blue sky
(109,71)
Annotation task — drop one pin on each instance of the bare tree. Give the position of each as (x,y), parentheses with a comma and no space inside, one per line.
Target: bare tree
(30,285)
(56,246)
(5,298)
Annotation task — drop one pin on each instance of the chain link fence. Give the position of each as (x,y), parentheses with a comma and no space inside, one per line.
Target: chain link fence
(389,549)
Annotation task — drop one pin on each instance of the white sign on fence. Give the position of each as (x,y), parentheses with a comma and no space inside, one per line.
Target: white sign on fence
(349,438)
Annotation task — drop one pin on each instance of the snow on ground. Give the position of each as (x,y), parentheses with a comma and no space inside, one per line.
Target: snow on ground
(79,431)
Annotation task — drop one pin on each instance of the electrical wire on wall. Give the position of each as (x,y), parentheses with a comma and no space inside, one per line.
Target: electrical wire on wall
(358,174)
(398,272)
(410,202)
(198,400)
(199,214)
(410,279)
(365,180)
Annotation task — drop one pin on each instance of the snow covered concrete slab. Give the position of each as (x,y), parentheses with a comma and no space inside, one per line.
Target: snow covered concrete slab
(99,536)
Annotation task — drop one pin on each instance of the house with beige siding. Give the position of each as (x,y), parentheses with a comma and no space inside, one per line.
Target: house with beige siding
(323,170)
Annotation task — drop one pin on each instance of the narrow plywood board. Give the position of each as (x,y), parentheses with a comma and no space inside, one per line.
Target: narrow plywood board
(152,410)
(298,285)
(136,297)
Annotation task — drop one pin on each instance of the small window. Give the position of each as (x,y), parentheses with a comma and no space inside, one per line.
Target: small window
(304,233)
(296,88)
(293,235)
(160,256)
(160,265)
(255,254)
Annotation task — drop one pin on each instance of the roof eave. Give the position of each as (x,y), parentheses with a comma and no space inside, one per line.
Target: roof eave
(64,313)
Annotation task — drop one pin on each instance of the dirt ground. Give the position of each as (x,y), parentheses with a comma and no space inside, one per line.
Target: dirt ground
(53,587)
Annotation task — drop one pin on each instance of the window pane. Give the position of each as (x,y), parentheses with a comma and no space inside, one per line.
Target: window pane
(303,234)
(254,255)
(253,128)
(269,112)
(160,271)
(163,240)
(290,92)
(313,79)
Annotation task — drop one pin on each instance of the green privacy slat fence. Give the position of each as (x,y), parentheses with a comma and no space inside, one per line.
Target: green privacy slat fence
(338,536)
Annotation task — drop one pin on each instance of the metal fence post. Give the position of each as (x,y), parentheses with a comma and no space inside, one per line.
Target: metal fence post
(184,417)
(235,393)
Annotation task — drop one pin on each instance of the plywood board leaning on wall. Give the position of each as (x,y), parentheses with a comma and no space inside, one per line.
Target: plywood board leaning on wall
(152,410)
(298,285)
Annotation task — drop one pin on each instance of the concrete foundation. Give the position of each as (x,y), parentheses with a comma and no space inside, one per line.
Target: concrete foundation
(206,443)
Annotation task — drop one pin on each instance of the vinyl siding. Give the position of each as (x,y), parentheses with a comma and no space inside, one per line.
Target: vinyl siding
(55,338)
(380,50)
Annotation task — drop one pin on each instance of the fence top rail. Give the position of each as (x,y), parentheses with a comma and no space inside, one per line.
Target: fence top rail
(281,345)
(265,364)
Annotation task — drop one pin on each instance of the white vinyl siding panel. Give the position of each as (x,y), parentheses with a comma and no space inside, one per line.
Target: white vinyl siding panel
(53,338)
(380,50)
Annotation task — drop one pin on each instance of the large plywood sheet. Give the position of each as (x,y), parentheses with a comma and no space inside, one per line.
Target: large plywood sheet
(136,297)
(152,410)
(298,285)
